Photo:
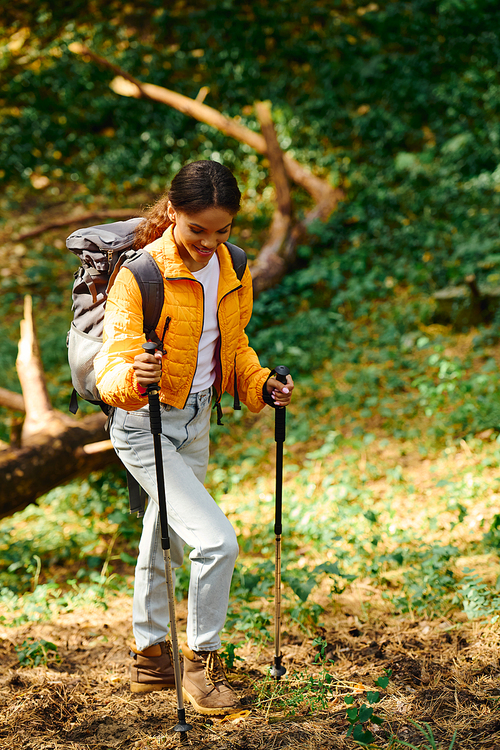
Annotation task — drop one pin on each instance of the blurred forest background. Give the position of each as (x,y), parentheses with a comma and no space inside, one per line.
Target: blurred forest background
(392,454)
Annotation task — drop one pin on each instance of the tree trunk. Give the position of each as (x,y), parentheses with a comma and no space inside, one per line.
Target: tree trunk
(32,470)
(54,447)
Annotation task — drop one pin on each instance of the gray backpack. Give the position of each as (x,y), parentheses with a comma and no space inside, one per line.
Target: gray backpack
(102,251)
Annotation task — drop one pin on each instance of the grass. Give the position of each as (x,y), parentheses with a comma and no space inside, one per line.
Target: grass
(390,483)
(418,532)
(390,516)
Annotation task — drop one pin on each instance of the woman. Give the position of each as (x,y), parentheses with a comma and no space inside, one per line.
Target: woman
(205,353)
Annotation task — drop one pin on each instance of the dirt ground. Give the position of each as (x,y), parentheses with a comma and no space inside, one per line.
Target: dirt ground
(446,674)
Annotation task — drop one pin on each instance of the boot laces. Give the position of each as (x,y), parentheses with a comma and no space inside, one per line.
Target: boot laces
(214,671)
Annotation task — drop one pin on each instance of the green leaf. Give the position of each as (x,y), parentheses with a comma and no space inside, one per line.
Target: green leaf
(365,713)
(129,559)
(352,714)
(301,588)
(373,696)
(362,736)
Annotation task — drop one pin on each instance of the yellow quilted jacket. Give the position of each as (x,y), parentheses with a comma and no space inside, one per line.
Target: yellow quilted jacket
(182,320)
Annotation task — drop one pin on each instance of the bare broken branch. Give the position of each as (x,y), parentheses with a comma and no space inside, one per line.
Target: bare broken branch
(110,213)
(315,186)
(11,400)
(275,156)
(40,415)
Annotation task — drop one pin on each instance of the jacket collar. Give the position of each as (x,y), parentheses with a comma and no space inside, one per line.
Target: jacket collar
(173,265)
(165,252)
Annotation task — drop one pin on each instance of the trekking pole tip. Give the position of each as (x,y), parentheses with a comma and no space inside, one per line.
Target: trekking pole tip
(182,726)
(277,671)
(183,729)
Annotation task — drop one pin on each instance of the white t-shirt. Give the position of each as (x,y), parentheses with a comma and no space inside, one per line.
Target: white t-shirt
(205,369)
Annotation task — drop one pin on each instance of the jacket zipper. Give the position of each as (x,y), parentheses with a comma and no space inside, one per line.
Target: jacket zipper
(189,278)
(219,395)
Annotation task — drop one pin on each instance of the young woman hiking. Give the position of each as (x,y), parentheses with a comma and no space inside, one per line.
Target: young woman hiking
(205,353)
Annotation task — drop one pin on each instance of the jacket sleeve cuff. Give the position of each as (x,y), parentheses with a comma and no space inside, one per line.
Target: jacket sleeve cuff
(267,396)
(139,389)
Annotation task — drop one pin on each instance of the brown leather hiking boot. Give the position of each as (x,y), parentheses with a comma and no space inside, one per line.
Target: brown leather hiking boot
(205,683)
(152,669)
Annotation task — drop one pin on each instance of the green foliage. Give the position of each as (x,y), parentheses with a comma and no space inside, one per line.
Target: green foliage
(478,600)
(417,157)
(359,716)
(491,539)
(229,655)
(248,620)
(428,582)
(33,653)
(298,692)
(62,550)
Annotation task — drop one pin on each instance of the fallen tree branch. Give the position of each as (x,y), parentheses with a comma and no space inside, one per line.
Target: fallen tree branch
(83,218)
(54,447)
(41,418)
(101,447)
(126,85)
(276,160)
(270,265)
(279,251)
(11,400)
(30,471)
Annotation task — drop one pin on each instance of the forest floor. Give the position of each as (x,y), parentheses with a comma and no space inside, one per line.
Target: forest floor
(445,674)
(408,518)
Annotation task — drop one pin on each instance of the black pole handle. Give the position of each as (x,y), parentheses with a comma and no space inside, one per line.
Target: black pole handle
(153,396)
(281,372)
(149,347)
(279,423)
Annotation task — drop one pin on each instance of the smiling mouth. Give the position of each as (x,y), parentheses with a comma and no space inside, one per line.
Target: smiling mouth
(203,251)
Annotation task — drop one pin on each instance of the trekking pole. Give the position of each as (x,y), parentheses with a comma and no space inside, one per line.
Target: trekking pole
(277,669)
(155,422)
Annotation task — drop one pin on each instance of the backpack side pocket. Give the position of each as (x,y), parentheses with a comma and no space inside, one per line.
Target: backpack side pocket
(82,348)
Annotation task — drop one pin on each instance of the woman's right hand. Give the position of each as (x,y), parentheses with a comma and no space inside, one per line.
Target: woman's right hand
(147,368)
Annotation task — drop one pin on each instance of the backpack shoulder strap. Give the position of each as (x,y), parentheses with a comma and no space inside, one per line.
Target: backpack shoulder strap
(239,258)
(150,282)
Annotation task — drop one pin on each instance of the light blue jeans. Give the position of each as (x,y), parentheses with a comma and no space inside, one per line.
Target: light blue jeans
(194,518)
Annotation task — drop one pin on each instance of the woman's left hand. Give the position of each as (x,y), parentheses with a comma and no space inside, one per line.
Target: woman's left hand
(281,393)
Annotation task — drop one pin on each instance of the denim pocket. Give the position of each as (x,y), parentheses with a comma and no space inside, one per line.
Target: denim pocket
(137,420)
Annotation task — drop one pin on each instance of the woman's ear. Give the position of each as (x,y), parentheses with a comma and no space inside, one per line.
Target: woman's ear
(171,212)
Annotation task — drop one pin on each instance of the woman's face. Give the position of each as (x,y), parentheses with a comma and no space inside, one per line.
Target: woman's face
(198,235)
